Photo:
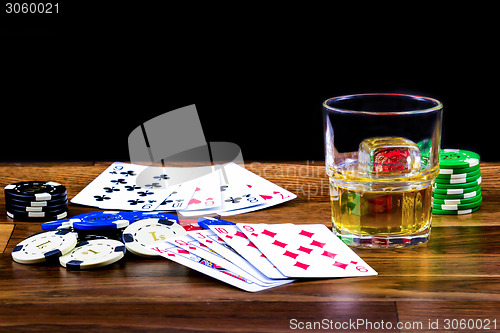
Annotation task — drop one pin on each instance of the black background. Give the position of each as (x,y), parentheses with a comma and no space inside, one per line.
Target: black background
(75,84)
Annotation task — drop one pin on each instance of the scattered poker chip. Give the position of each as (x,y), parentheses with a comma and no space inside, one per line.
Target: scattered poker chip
(93,253)
(60,224)
(92,221)
(137,216)
(35,191)
(44,246)
(100,225)
(457,159)
(103,216)
(454,212)
(144,232)
(36,216)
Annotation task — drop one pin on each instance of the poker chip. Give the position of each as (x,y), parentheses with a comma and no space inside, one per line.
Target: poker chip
(36,201)
(473,204)
(455,172)
(454,212)
(44,246)
(35,216)
(137,216)
(93,253)
(459,178)
(144,232)
(477,191)
(35,191)
(447,201)
(465,185)
(457,159)
(92,221)
(457,188)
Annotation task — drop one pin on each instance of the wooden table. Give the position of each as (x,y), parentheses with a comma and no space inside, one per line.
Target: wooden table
(454,279)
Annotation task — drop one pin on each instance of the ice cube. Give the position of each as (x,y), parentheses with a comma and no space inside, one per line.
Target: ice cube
(388,156)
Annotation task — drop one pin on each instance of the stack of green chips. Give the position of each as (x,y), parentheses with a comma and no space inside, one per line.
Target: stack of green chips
(457,189)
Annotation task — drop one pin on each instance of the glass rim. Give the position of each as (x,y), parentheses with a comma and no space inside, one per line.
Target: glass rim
(437,104)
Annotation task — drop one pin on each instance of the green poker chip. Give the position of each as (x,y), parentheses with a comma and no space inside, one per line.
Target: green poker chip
(457,159)
(444,171)
(437,201)
(454,212)
(458,186)
(456,191)
(472,174)
(459,180)
(473,204)
(462,196)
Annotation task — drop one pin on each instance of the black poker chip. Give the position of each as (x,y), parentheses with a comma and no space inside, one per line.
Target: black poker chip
(36,201)
(35,191)
(37,216)
(28,203)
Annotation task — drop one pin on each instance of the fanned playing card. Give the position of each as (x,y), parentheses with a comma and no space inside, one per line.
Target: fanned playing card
(306,250)
(232,235)
(117,188)
(202,265)
(269,193)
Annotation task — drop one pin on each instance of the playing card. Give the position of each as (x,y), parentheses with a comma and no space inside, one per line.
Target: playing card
(235,195)
(187,242)
(232,235)
(180,196)
(117,188)
(306,250)
(204,266)
(269,193)
(216,244)
(207,193)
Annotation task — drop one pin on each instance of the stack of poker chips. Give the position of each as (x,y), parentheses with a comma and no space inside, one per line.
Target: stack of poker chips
(457,189)
(36,201)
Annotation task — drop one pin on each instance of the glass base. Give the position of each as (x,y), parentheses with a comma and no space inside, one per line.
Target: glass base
(384,241)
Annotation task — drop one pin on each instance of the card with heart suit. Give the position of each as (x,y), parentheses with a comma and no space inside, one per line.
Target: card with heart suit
(239,266)
(232,235)
(202,265)
(269,193)
(207,193)
(235,253)
(305,250)
(243,191)
(226,190)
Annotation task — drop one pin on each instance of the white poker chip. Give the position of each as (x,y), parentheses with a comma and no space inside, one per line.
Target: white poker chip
(93,254)
(44,246)
(140,234)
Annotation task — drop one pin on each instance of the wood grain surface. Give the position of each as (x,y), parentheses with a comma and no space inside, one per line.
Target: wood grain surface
(455,276)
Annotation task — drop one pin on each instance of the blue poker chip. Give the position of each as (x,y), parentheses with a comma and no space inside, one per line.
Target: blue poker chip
(59,224)
(204,222)
(137,216)
(101,225)
(92,221)
(103,216)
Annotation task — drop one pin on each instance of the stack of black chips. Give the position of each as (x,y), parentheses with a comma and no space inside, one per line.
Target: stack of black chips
(36,201)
